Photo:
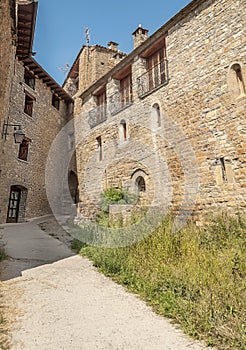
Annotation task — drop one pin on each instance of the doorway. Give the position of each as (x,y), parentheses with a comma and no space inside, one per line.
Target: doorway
(14,204)
(17,201)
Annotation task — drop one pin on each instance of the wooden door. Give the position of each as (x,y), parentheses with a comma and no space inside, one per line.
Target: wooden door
(14,204)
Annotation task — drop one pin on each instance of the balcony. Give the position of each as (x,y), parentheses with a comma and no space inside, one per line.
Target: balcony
(121,100)
(152,79)
(97,115)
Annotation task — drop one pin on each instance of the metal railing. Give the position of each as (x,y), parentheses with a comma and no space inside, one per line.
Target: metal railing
(97,115)
(153,78)
(121,99)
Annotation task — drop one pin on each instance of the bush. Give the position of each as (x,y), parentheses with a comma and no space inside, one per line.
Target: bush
(115,196)
(196,277)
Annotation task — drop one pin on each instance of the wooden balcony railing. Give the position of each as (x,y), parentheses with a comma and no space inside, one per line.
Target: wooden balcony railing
(153,78)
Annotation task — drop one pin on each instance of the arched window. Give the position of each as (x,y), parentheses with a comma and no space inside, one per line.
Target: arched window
(236,81)
(156,114)
(123,130)
(99,147)
(140,184)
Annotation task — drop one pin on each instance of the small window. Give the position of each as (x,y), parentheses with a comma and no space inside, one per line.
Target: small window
(70,142)
(224,171)
(156,115)
(28,109)
(55,101)
(140,184)
(236,81)
(239,78)
(99,147)
(23,149)
(29,79)
(123,130)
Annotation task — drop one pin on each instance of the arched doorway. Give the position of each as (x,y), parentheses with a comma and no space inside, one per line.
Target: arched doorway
(73,186)
(17,204)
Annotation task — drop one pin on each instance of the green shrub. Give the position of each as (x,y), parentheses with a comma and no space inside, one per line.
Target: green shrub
(77,245)
(195,276)
(115,196)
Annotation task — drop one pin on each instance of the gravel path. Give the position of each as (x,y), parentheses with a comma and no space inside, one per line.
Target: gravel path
(68,305)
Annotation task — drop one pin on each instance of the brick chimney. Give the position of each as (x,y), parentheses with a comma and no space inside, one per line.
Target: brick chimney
(113,46)
(139,36)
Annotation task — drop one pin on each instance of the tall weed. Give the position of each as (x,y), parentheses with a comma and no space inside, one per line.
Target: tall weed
(195,276)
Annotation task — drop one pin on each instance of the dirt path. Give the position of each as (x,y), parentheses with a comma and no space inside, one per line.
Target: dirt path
(67,304)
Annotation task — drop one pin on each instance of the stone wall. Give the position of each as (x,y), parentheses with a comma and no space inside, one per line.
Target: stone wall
(194,157)
(95,61)
(7,40)
(41,128)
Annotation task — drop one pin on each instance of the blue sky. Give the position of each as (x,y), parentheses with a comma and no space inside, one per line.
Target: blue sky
(61,25)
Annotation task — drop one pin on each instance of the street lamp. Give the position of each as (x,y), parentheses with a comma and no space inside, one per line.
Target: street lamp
(18,133)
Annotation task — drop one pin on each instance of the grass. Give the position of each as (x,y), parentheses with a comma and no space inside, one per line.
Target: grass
(3,255)
(195,277)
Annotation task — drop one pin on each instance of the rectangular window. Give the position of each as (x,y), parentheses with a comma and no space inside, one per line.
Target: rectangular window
(23,149)
(55,101)
(156,68)
(126,90)
(223,169)
(29,79)
(99,147)
(102,106)
(28,109)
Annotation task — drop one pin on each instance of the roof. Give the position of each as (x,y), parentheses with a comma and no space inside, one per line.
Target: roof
(38,71)
(26,20)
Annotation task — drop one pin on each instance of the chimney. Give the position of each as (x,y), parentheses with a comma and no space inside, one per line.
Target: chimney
(139,35)
(113,46)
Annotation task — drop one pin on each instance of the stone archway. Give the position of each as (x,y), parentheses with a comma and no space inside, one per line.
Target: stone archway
(73,186)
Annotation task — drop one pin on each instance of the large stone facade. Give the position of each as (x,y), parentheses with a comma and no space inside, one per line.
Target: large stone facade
(35,103)
(166,122)
(177,135)
(41,128)
(7,39)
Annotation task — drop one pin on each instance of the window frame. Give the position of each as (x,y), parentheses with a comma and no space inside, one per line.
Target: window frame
(29,103)
(55,101)
(24,149)
(29,79)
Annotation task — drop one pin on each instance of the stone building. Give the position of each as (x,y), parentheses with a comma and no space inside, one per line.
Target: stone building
(7,39)
(168,120)
(38,106)
(91,64)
